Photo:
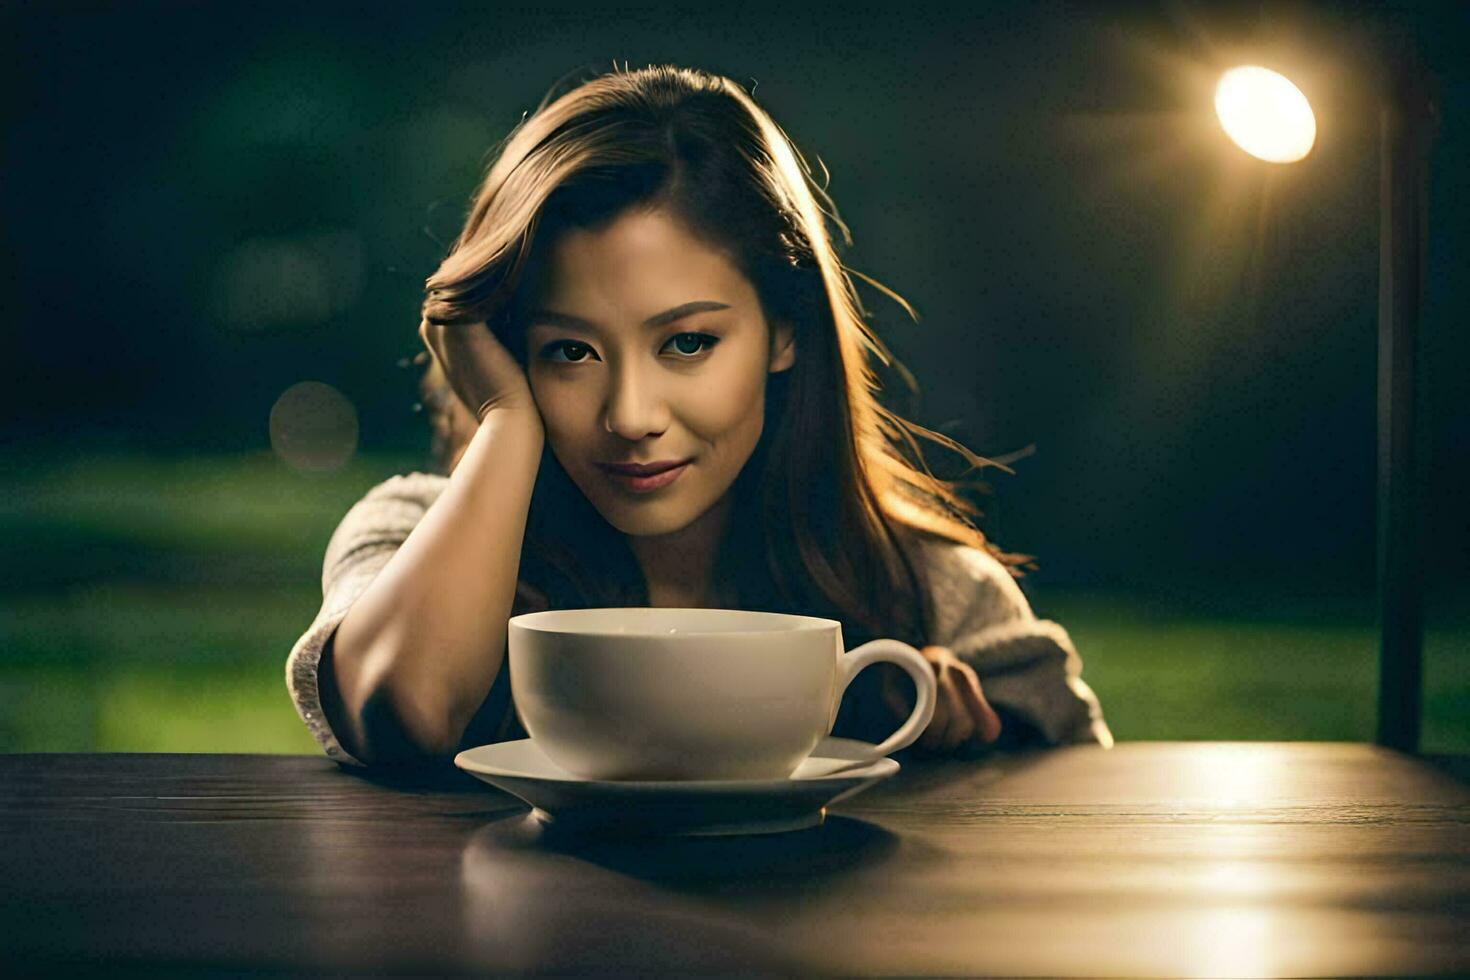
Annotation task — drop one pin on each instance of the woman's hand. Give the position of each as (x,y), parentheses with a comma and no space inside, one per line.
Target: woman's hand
(478,367)
(960,708)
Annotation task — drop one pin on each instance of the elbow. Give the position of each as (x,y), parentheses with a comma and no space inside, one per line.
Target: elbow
(376,715)
(399,728)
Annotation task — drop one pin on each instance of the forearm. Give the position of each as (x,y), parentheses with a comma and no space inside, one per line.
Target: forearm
(419,650)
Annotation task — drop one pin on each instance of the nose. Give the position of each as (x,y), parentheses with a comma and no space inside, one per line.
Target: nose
(636,407)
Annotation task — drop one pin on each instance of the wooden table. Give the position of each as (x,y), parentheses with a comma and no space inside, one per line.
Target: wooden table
(1153,858)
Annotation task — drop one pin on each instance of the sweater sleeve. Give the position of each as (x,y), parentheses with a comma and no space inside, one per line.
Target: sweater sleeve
(364,541)
(1028,668)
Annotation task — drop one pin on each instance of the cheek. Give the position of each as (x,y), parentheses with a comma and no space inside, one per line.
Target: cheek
(727,403)
(560,406)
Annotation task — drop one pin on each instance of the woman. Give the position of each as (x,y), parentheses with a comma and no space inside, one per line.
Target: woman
(646,277)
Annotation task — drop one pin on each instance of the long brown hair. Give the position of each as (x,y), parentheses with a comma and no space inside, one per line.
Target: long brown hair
(819,508)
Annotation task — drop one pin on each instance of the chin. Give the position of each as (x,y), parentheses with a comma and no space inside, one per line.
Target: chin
(650,522)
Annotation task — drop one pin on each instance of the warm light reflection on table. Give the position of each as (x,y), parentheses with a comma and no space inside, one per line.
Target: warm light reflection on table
(1152,858)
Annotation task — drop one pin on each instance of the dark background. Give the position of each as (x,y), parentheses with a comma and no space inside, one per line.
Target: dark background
(218,219)
(204,204)
(1185,335)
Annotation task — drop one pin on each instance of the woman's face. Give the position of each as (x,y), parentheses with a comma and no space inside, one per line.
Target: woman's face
(644,345)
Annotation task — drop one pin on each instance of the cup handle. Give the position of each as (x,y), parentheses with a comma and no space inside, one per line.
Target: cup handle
(913,662)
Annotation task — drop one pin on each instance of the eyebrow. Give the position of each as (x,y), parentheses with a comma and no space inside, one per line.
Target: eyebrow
(553,318)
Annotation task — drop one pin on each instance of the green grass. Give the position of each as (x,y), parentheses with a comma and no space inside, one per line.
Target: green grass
(148,604)
(142,707)
(1291,673)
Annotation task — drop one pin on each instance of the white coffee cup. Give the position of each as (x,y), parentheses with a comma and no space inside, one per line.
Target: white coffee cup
(660,693)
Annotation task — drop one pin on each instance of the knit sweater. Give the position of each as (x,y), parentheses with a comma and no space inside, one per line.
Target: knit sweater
(1028,668)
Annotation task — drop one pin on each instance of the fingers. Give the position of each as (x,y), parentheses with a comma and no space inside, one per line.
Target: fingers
(431,338)
(902,706)
(960,709)
(951,721)
(987,722)
(954,725)
(961,726)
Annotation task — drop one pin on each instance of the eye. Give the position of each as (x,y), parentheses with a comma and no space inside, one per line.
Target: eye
(706,341)
(569,345)
(575,352)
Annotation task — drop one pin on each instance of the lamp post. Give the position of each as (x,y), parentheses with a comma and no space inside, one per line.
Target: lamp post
(1406,117)
(1268,117)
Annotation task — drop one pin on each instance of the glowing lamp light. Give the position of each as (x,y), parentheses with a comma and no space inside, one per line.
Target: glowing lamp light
(1265,114)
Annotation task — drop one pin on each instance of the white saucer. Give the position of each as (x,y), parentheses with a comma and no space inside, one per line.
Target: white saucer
(704,807)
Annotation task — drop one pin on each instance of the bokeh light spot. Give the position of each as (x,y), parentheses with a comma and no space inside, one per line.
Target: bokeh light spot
(313,427)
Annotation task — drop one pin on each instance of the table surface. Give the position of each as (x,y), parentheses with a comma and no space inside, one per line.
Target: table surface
(1151,858)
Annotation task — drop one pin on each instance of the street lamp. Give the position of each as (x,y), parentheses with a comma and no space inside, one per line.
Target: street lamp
(1268,117)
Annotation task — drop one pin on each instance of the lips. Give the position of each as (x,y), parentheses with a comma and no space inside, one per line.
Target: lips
(642,469)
